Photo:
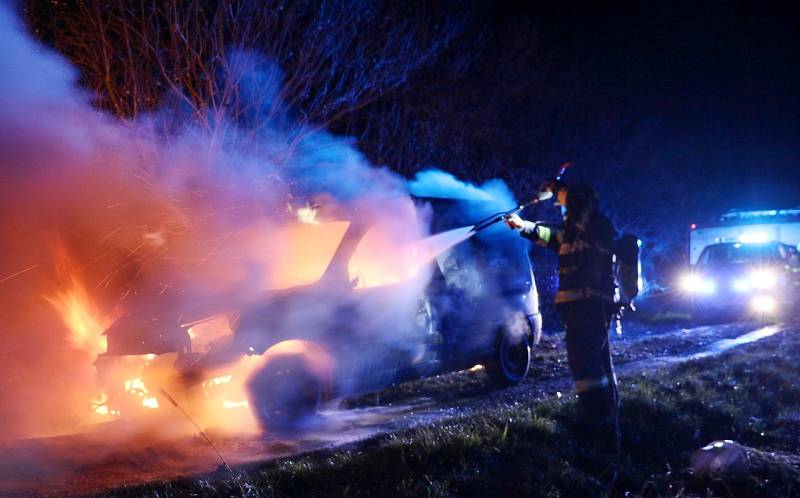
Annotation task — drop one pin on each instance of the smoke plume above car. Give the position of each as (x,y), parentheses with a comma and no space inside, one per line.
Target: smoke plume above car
(106,219)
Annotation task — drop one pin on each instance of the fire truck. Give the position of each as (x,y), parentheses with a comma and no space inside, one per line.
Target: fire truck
(745,227)
(747,262)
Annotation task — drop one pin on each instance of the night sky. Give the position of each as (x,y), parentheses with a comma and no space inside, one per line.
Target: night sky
(696,102)
(722,79)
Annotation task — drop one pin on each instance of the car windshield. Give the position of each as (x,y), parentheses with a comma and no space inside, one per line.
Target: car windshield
(298,254)
(384,256)
(726,254)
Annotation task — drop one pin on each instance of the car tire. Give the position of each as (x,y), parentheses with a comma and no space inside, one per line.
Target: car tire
(512,358)
(285,393)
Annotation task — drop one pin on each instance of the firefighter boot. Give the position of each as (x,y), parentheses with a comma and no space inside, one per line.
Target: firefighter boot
(599,420)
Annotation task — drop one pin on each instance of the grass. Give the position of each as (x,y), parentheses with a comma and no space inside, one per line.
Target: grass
(531,449)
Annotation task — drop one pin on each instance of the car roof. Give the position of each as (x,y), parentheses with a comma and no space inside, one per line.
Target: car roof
(753,244)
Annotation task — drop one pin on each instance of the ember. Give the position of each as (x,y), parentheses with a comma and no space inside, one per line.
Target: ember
(307,214)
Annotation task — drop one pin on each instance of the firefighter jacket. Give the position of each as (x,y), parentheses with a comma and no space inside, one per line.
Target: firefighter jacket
(585,255)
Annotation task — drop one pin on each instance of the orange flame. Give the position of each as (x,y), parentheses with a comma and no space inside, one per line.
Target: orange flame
(234,404)
(84,322)
(224,379)
(308,215)
(100,405)
(136,387)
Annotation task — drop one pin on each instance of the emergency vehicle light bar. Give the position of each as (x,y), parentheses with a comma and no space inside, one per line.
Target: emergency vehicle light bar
(739,215)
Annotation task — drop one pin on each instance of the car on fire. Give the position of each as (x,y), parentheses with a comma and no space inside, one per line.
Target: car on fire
(342,335)
(744,279)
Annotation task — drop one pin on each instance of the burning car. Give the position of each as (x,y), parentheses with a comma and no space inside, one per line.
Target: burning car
(376,311)
(737,277)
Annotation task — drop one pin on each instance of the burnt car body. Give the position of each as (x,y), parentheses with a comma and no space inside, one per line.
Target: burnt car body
(477,304)
(735,279)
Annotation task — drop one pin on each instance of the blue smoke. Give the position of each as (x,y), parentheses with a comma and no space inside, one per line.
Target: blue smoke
(473,203)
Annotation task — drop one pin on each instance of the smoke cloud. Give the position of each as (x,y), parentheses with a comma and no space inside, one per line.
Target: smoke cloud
(114,232)
(110,213)
(109,223)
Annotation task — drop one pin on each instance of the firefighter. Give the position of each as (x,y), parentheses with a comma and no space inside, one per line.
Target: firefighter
(586,300)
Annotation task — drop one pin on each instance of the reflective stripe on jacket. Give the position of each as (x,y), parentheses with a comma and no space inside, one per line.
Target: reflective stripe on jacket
(588,384)
(585,264)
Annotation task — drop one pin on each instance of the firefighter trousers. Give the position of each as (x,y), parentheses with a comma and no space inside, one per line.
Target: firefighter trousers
(589,355)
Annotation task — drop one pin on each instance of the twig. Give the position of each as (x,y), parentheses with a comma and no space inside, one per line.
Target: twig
(205,436)
(190,419)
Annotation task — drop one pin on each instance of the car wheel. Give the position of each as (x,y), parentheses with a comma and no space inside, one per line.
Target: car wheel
(512,356)
(285,393)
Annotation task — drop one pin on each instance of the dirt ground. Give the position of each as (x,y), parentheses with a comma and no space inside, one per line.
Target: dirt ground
(115,455)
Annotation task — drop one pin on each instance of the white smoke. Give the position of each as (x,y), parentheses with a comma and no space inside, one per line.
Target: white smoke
(144,222)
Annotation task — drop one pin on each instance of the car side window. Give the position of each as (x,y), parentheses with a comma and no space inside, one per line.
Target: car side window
(384,256)
(714,254)
(702,260)
(506,265)
(793,255)
(458,266)
(448,261)
(298,262)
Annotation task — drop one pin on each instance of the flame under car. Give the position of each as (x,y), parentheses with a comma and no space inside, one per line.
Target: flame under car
(381,312)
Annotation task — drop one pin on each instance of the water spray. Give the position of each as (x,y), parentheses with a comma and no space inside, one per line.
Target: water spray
(542,195)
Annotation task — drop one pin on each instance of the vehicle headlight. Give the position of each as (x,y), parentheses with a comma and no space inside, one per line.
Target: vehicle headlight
(763,304)
(763,279)
(741,285)
(696,284)
(690,282)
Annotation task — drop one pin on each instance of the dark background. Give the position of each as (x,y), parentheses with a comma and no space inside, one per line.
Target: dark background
(675,112)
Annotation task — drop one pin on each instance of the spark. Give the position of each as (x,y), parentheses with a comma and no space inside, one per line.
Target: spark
(165,287)
(147,263)
(143,179)
(205,218)
(109,235)
(212,253)
(19,273)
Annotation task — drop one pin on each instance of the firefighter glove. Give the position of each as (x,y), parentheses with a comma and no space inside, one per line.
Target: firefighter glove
(514,221)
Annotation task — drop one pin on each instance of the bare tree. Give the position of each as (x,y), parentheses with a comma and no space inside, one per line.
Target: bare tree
(300,65)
